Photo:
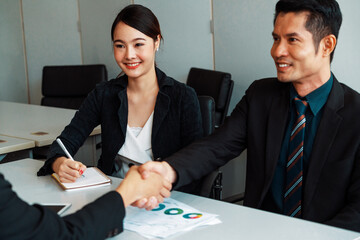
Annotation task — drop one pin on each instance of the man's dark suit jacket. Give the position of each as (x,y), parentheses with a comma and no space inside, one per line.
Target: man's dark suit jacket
(331,191)
(98,220)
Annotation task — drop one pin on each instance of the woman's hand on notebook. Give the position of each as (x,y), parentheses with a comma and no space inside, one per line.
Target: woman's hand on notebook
(67,169)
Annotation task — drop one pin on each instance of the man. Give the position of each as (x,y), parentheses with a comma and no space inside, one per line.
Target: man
(301,130)
(98,220)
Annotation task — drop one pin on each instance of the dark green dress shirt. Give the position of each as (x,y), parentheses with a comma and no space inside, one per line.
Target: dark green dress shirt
(273,201)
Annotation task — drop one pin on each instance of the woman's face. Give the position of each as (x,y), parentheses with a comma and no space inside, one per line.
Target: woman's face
(134,52)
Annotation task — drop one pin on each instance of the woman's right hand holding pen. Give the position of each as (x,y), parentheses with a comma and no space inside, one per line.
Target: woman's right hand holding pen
(68,169)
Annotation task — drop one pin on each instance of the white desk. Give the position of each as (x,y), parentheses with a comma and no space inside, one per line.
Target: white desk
(238,222)
(15,148)
(42,125)
(33,122)
(11,144)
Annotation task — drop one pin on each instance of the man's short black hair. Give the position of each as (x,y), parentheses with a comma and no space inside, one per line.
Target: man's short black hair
(324,18)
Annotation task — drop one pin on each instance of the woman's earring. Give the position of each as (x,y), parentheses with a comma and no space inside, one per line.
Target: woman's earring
(157,49)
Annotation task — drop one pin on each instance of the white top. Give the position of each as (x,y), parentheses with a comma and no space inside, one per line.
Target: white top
(136,148)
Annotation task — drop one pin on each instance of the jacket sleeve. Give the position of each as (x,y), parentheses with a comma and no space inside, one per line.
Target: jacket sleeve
(191,120)
(19,220)
(209,153)
(349,216)
(75,134)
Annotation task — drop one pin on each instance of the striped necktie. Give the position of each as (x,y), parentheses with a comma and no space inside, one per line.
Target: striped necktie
(294,165)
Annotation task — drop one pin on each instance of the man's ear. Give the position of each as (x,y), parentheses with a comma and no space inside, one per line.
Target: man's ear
(329,43)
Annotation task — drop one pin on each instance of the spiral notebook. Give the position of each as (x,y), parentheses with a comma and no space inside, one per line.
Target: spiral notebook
(92,177)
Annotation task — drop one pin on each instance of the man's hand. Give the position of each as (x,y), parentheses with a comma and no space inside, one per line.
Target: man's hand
(67,169)
(134,188)
(162,168)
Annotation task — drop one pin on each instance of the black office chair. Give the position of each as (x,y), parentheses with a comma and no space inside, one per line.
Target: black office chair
(211,185)
(216,84)
(68,86)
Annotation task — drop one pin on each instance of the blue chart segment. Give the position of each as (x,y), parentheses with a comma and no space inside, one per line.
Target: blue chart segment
(174,211)
(192,215)
(160,207)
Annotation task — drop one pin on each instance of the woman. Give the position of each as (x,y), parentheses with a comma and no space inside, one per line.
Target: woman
(144,114)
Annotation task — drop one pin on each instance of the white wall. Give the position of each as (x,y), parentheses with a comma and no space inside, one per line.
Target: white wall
(96,18)
(243,41)
(346,62)
(185,26)
(12,66)
(52,38)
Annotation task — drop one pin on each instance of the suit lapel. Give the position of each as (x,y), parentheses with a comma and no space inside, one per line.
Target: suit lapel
(162,102)
(123,111)
(278,115)
(327,130)
(160,112)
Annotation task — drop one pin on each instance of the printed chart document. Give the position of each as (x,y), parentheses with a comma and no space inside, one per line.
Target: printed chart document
(92,177)
(169,218)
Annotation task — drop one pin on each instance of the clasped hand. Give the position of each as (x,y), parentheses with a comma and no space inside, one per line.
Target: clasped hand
(151,191)
(147,170)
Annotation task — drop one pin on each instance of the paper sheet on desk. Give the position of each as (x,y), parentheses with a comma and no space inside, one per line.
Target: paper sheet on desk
(171,217)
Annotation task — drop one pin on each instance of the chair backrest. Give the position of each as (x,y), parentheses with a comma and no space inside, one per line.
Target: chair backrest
(211,185)
(207,108)
(215,84)
(68,86)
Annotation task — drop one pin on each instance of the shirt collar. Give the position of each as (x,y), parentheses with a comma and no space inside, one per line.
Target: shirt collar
(316,98)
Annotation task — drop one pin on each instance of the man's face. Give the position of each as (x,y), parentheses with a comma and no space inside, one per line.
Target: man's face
(293,50)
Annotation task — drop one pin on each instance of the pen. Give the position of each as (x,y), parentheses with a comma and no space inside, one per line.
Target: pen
(64,148)
(66,152)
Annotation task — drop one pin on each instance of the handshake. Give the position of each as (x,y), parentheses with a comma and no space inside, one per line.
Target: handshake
(147,185)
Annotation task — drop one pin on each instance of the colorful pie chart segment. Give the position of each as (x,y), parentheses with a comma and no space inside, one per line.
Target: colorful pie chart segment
(192,215)
(173,211)
(160,207)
